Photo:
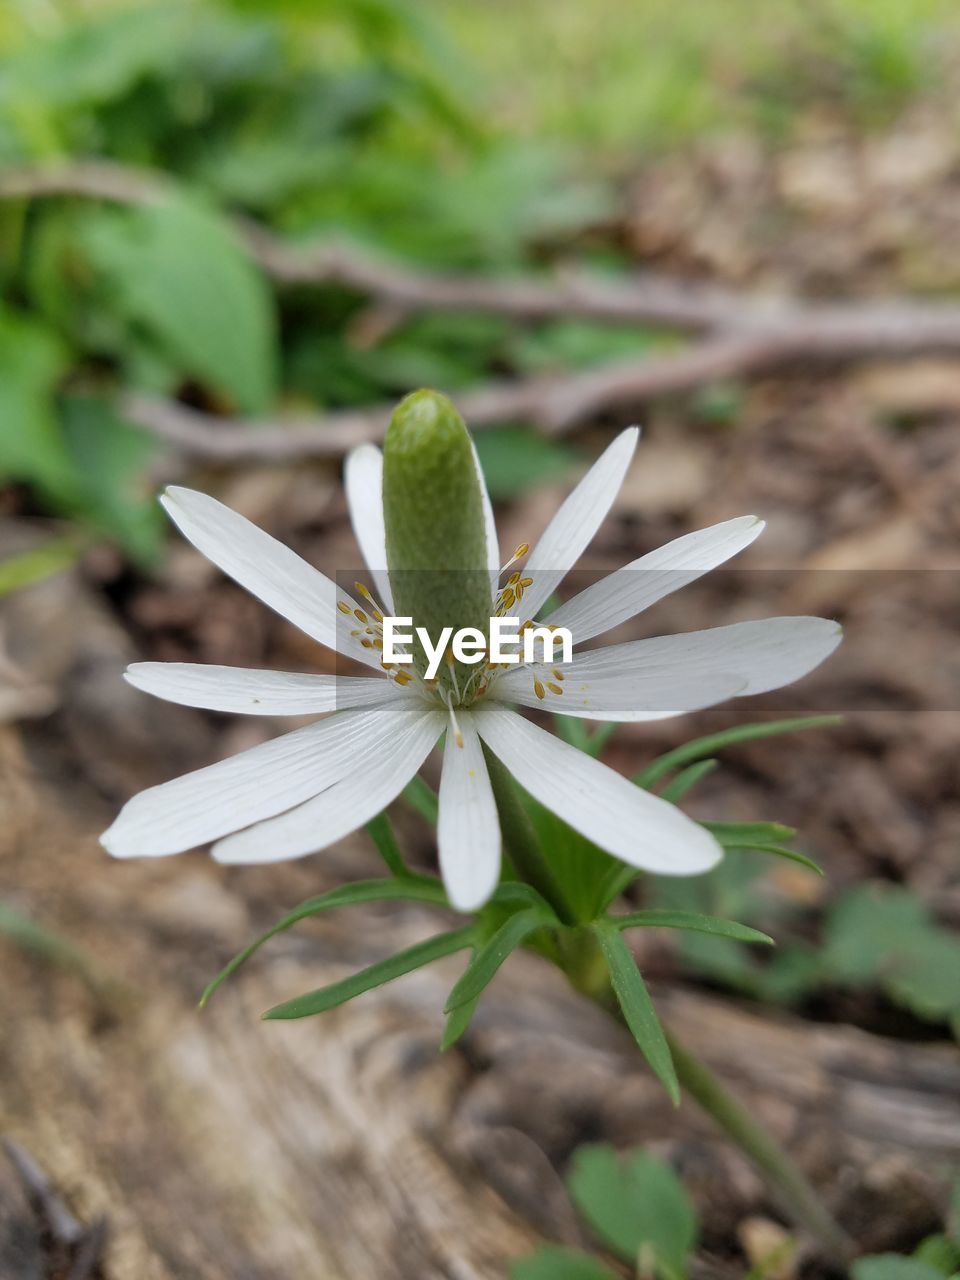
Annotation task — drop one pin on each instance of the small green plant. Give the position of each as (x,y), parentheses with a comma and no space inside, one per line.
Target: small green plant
(635,1206)
(638,1210)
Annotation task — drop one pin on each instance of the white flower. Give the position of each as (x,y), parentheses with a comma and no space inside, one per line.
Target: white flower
(305,790)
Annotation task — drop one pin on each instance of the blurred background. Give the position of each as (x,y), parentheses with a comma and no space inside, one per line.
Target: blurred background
(231,236)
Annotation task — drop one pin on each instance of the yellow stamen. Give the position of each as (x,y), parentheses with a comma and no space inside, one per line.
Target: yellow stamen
(538,690)
(344,607)
(554,688)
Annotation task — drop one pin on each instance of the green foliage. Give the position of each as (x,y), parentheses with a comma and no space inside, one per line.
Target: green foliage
(33,566)
(375,975)
(551,1263)
(413,889)
(637,1007)
(487,959)
(637,1207)
(175,273)
(515,459)
(639,1210)
(338,120)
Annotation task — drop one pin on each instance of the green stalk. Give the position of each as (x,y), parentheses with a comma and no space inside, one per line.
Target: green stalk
(795,1192)
(521,841)
(579,956)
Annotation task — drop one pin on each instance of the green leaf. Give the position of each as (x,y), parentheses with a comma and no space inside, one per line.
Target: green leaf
(49,946)
(381,832)
(458,1020)
(743,835)
(111,459)
(866,927)
(637,1206)
(686,780)
(939,1251)
(553,1263)
(176,269)
(516,459)
(32,448)
(375,975)
(421,797)
(483,967)
(893,1266)
(714,742)
(637,1007)
(780,851)
(656,919)
(348,895)
(33,566)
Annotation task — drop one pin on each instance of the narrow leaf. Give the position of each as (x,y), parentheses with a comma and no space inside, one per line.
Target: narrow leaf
(740,835)
(32,566)
(780,851)
(714,742)
(457,1021)
(488,959)
(657,919)
(420,796)
(686,780)
(381,832)
(348,895)
(638,1011)
(375,975)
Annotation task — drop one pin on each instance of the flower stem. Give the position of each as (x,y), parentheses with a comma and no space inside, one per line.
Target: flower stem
(798,1197)
(521,841)
(796,1194)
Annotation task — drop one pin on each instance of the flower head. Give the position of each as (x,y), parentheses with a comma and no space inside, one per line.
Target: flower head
(424,524)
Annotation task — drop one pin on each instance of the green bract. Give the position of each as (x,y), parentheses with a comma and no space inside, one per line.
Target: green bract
(434,519)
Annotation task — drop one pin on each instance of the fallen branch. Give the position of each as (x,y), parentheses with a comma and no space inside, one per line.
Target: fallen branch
(737,336)
(884,328)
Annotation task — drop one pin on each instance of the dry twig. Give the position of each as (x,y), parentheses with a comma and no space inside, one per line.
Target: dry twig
(738,336)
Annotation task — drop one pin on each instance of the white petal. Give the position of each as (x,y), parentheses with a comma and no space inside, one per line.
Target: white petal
(468,830)
(571,530)
(638,585)
(363,481)
(767,654)
(265,567)
(649,694)
(378,770)
(258,693)
(627,821)
(490,525)
(248,787)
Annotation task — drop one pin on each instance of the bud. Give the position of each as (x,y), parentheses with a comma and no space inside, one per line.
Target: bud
(433,514)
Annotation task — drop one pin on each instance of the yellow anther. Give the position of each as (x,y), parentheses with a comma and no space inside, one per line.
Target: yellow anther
(361,616)
(344,607)
(377,615)
(387,666)
(521,551)
(403,677)
(507,598)
(367,644)
(513,579)
(538,690)
(554,688)
(526,582)
(558,674)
